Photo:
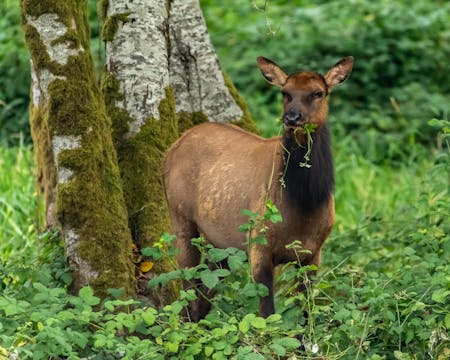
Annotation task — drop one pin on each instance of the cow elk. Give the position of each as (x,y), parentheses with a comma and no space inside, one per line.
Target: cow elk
(215,170)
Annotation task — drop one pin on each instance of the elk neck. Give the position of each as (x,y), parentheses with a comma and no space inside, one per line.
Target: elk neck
(307,188)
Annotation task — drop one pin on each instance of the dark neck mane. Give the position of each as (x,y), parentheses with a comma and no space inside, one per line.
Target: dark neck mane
(308,188)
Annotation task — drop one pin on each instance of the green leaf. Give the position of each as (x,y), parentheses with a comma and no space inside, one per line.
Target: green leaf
(209,350)
(260,240)
(153,252)
(244,325)
(164,278)
(236,261)
(287,343)
(278,349)
(247,212)
(80,339)
(273,318)
(440,295)
(209,278)
(109,305)
(149,316)
(244,228)
(167,238)
(447,321)
(216,255)
(262,290)
(194,349)
(275,218)
(87,295)
(342,314)
(258,323)
(249,290)
(219,345)
(172,346)
(11,309)
(116,293)
(222,272)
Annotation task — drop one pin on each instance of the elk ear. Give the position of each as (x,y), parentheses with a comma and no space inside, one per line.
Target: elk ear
(339,72)
(271,71)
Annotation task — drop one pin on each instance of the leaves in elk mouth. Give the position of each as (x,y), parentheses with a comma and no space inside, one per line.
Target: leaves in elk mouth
(307,129)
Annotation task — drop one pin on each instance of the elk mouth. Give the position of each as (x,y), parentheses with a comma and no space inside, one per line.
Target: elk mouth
(297,127)
(302,129)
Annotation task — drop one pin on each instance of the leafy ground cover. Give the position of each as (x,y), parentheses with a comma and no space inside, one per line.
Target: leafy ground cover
(382,291)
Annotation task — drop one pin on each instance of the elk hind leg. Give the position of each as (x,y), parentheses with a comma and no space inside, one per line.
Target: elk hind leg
(188,257)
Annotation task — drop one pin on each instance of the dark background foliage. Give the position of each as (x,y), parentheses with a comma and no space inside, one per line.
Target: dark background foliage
(400,80)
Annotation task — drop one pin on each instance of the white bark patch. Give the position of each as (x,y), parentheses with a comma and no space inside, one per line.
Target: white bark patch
(50,28)
(194,69)
(60,143)
(138,58)
(39,85)
(64,175)
(36,93)
(81,267)
(64,142)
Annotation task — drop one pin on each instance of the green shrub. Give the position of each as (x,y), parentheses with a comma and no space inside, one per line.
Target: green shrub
(14,76)
(382,291)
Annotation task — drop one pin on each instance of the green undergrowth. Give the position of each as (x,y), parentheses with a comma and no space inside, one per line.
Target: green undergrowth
(382,290)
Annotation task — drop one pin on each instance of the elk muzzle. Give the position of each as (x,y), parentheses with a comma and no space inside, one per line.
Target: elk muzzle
(293,118)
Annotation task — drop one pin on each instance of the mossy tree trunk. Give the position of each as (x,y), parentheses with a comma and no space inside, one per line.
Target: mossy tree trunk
(162,77)
(77,164)
(100,165)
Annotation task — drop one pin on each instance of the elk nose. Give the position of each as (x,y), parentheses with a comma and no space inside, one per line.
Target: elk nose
(292,118)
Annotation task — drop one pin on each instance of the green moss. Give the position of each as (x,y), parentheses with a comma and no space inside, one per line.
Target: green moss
(246,121)
(37,8)
(102,9)
(35,46)
(187,120)
(92,202)
(111,25)
(71,37)
(140,159)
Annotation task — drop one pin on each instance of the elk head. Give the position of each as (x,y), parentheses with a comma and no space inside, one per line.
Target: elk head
(305,93)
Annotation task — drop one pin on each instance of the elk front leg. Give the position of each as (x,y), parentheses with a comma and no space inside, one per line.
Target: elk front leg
(262,271)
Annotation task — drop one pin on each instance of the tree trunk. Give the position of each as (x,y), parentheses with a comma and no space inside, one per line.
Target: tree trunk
(76,160)
(162,77)
(100,166)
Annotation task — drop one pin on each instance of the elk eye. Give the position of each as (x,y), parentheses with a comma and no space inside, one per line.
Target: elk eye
(286,96)
(318,95)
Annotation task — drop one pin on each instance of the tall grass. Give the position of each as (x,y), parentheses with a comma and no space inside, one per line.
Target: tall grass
(18,201)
